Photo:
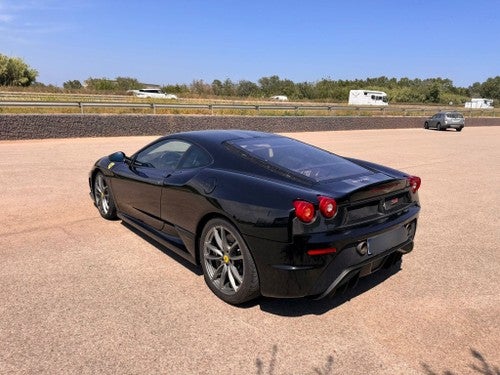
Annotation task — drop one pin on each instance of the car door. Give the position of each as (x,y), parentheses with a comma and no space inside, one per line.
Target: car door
(183,196)
(138,184)
(439,120)
(433,121)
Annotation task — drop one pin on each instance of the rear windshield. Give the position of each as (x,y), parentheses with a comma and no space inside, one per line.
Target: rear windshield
(298,157)
(454,115)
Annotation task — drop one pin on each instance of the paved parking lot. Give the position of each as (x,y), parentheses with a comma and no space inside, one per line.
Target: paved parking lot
(83,295)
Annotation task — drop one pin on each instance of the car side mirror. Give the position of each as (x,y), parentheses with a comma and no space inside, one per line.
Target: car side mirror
(117,157)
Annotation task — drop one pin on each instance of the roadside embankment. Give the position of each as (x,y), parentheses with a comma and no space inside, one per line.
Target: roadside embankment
(76,126)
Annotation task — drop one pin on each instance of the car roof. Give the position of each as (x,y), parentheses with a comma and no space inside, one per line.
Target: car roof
(205,137)
(213,140)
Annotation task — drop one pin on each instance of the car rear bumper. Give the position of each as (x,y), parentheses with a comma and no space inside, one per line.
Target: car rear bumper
(287,271)
(351,274)
(454,126)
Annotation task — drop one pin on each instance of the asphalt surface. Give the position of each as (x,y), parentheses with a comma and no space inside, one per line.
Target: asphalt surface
(79,294)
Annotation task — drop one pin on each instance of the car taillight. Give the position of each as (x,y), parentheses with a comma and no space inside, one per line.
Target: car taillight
(328,250)
(304,211)
(414,183)
(327,207)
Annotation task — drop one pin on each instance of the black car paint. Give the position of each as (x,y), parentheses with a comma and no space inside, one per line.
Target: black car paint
(258,200)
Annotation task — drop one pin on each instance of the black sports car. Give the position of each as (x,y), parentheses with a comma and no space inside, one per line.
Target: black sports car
(263,214)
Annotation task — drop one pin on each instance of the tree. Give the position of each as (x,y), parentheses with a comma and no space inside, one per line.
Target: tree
(228,88)
(217,87)
(305,90)
(270,85)
(491,88)
(247,88)
(72,85)
(127,83)
(288,88)
(15,72)
(175,89)
(198,86)
(275,86)
(475,90)
(100,84)
(406,94)
(433,93)
(333,90)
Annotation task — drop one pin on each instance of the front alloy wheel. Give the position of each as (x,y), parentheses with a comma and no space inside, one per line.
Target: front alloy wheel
(227,264)
(103,198)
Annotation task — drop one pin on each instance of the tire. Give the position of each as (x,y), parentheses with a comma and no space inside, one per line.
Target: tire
(426,125)
(103,198)
(227,264)
(438,127)
(459,129)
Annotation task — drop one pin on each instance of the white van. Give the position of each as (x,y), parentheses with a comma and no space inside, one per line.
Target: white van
(152,93)
(367,97)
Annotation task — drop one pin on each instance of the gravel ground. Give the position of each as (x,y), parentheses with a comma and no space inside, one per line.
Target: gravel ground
(83,295)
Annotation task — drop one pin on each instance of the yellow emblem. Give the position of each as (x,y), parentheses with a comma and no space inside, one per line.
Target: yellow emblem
(226,259)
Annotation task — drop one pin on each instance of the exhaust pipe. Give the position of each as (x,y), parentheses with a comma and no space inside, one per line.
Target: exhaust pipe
(362,248)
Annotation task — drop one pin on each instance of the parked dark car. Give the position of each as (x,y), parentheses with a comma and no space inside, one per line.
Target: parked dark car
(263,214)
(445,120)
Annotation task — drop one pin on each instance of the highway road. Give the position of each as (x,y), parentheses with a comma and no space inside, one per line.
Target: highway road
(79,294)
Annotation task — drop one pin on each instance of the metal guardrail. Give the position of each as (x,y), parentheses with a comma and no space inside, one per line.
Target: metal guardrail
(400,110)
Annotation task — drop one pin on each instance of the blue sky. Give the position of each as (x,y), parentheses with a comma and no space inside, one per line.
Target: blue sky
(169,42)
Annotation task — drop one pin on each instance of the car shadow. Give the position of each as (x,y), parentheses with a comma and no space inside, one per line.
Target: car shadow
(306,306)
(193,268)
(444,130)
(291,307)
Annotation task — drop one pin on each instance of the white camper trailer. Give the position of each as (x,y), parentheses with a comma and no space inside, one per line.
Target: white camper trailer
(367,97)
(479,103)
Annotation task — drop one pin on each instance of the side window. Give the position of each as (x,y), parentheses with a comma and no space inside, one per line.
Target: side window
(195,157)
(164,155)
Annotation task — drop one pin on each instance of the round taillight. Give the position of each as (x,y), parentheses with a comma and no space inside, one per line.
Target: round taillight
(414,183)
(327,207)
(304,211)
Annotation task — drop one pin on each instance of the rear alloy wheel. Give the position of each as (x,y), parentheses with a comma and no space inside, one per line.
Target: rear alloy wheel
(103,198)
(426,125)
(438,126)
(228,267)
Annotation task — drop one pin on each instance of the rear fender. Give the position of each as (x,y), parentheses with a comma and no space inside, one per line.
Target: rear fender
(259,207)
